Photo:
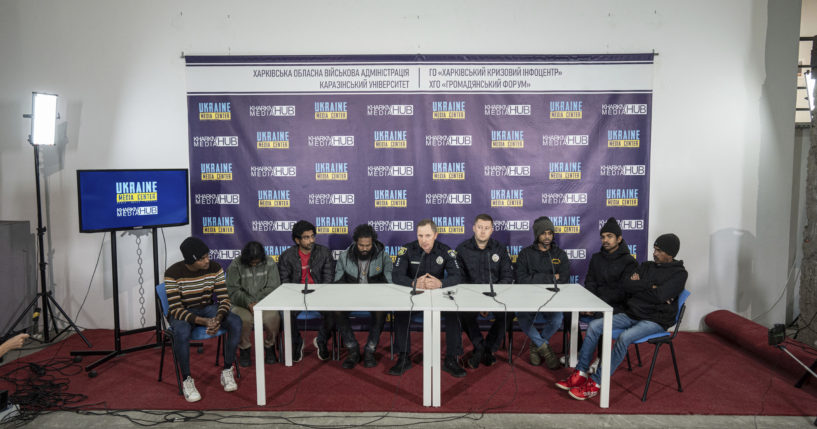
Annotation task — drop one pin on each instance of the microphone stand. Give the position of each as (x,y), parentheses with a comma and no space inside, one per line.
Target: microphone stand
(555,287)
(307,290)
(414,290)
(490,278)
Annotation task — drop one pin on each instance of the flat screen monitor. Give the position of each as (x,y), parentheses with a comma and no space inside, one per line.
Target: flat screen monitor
(111,200)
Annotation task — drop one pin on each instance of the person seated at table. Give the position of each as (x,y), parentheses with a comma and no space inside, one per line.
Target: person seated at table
(311,262)
(480,257)
(427,264)
(364,261)
(543,262)
(651,308)
(251,277)
(191,285)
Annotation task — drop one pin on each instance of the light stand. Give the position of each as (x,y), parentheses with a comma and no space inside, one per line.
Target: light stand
(43,124)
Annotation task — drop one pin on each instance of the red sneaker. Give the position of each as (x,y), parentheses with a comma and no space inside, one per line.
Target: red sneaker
(575,380)
(588,390)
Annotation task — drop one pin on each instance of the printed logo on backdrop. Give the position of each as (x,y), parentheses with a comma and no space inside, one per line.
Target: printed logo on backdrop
(390,171)
(330,141)
(558,199)
(392,226)
(623,170)
(565,170)
(225,254)
(272,139)
(215,141)
(275,251)
(448,170)
(565,140)
(566,224)
(507,139)
(507,170)
(624,138)
(513,252)
(261,225)
(331,110)
(507,110)
(624,109)
(217,199)
(511,225)
(390,198)
(216,171)
(215,111)
(507,198)
(576,254)
(331,171)
(622,197)
(449,140)
(390,139)
(633,250)
(332,224)
(447,199)
(267,110)
(331,199)
(449,225)
(448,109)
(273,198)
(626,224)
(218,225)
(390,109)
(273,171)
(392,251)
(565,109)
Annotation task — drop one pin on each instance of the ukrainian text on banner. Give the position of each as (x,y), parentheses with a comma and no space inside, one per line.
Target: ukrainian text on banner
(390,140)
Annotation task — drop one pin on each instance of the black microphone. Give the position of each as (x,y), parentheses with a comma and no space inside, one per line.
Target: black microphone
(555,287)
(306,282)
(414,290)
(490,278)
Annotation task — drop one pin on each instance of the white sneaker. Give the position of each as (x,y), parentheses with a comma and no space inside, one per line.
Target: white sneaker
(189,390)
(228,381)
(594,366)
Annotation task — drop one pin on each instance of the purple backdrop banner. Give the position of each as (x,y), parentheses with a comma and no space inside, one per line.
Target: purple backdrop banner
(390,140)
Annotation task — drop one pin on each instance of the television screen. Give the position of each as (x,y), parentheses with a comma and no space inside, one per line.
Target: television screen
(112,200)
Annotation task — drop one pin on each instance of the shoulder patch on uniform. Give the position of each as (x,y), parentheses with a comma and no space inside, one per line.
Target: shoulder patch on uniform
(452,253)
(402,251)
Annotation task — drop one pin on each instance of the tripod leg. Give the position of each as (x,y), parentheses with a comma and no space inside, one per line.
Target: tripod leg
(67,319)
(23,314)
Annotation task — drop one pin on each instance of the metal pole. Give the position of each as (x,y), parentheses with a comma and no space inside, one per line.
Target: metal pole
(40,233)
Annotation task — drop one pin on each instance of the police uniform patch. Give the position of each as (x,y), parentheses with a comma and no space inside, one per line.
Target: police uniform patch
(440,260)
(452,253)
(495,257)
(377,269)
(401,252)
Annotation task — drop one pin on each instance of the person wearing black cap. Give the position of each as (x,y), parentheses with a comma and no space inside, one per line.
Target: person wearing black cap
(610,267)
(650,309)
(190,286)
(543,262)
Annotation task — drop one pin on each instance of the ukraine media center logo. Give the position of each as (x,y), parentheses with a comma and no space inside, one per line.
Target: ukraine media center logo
(215,111)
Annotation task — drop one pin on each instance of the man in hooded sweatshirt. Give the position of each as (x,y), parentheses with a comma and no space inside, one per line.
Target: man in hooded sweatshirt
(651,308)
(543,262)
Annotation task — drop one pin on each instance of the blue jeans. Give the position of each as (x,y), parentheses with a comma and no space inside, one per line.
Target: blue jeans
(553,321)
(183,329)
(633,330)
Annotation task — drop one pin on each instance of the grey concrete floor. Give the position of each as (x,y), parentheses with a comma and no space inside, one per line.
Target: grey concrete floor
(207,419)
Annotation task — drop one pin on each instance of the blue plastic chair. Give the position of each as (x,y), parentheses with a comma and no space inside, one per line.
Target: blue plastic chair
(199,333)
(660,339)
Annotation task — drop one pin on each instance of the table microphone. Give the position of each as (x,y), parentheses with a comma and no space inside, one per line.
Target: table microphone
(555,287)
(414,290)
(490,278)
(306,283)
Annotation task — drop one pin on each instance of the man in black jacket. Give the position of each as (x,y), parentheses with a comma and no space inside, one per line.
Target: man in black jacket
(425,263)
(610,267)
(313,263)
(365,261)
(480,257)
(543,262)
(651,308)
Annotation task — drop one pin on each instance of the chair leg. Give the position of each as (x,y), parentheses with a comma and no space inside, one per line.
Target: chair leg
(649,376)
(638,355)
(510,341)
(675,365)
(629,366)
(162,358)
(218,347)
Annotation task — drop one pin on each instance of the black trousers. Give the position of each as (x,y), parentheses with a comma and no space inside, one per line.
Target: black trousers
(495,334)
(453,332)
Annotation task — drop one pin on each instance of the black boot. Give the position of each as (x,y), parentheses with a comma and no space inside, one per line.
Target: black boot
(269,355)
(475,358)
(244,357)
(368,359)
(488,358)
(453,367)
(352,358)
(402,365)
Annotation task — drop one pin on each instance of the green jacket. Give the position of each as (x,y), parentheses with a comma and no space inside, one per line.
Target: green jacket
(247,285)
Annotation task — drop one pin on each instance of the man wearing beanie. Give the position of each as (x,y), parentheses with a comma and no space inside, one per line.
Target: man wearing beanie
(650,309)
(610,267)
(543,262)
(190,286)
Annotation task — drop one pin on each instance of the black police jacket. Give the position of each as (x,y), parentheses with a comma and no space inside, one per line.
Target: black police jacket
(475,262)
(440,261)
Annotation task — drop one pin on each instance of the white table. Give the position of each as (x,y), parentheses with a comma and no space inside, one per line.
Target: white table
(468,297)
(571,298)
(345,297)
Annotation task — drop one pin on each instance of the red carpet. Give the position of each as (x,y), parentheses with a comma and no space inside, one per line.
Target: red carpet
(718,378)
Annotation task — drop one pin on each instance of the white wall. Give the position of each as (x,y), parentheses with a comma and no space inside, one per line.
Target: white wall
(722,122)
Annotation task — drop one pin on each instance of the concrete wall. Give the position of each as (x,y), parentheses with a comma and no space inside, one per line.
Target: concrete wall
(722,143)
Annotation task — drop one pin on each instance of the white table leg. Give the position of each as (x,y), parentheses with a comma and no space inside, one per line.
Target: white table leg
(607,335)
(287,338)
(574,339)
(428,352)
(436,351)
(260,377)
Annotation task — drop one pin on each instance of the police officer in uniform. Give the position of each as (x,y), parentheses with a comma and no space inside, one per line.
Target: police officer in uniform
(424,263)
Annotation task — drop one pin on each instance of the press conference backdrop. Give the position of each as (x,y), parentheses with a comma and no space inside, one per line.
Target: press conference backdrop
(390,140)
